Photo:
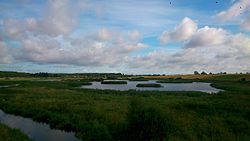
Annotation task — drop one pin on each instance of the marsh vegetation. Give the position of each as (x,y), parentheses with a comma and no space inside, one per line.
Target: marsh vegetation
(155,85)
(134,115)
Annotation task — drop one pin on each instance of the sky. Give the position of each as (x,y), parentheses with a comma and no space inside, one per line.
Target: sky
(127,36)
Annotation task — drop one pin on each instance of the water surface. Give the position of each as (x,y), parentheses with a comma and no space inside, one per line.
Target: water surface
(6,86)
(34,130)
(131,85)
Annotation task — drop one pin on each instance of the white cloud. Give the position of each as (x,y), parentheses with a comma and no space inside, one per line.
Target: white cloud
(14,28)
(58,19)
(134,35)
(246,24)
(239,9)
(232,56)
(207,36)
(182,32)
(241,42)
(235,10)
(105,34)
(100,48)
(208,49)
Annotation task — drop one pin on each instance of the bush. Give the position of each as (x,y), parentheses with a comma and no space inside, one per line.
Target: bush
(204,73)
(196,73)
(243,79)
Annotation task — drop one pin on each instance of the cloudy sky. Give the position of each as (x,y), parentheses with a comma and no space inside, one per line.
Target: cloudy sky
(128,36)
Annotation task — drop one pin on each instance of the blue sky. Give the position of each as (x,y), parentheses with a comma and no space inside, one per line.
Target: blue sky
(160,36)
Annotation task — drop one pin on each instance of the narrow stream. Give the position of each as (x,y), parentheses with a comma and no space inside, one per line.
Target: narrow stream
(34,130)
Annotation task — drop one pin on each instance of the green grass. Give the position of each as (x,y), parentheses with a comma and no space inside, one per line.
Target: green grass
(155,85)
(134,115)
(8,134)
(114,82)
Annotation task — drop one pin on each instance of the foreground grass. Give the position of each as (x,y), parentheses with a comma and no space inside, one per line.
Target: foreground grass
(7,134)
(134,115)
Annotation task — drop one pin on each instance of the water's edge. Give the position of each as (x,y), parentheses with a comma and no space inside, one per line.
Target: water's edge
(34,130)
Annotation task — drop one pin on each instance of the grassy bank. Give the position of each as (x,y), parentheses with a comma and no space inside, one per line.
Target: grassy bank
(8,134)
(134,115)
(114,82)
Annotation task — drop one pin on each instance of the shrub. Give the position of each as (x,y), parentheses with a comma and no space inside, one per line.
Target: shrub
(243,79)
(196,73)
(204,73)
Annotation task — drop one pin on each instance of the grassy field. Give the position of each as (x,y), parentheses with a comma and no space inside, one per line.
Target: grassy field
(7,134)
(99,115)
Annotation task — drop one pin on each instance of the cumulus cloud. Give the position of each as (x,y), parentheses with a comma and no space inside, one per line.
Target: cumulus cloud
(182,32)
(48,40)
(235,10)
(57,19)
(208,49)
(134,35)
(207,36)
(100,48)
(232,56)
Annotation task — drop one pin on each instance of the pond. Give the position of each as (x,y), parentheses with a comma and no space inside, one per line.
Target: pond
(34,130)
(131,85)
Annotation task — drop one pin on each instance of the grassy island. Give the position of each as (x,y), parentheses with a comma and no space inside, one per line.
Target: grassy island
(114,82)
(149,85)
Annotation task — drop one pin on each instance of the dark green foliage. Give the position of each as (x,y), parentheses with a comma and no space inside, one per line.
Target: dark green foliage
(203,73)
(243,79)
(149,85)
(147,123)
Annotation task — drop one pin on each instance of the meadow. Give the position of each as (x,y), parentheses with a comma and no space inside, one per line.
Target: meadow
(99,115)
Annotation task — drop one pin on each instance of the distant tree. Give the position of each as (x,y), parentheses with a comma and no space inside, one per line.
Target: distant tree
(204,73)
(224,72)
(196,73)
(210,73)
